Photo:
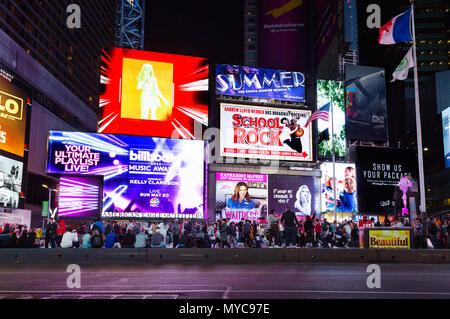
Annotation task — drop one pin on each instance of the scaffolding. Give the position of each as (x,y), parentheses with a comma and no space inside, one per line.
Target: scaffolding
(130,24)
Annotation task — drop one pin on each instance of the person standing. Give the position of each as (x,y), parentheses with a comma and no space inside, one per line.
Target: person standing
(418,233)
(289,221)
(309,230)
(246,231)
(176,231)
(223,234)
(273,228)
(50,234)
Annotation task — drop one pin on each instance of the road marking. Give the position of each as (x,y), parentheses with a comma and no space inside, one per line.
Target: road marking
(140,293)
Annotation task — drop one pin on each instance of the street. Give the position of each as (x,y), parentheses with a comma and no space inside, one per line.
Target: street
(218,281)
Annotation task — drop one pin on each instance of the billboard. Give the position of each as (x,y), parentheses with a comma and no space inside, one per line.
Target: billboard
(346,189)
(13,118)
(150,93)
(265,133)
(244,81)
(240,195)
(366,111)
(331,94)
(283,35)
(295,192)
(80,196)
(11,172)
(446,134)
(389,239)
(379,171)
(144,177)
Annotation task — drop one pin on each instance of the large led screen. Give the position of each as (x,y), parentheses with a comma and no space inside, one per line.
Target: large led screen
(154,94)
(366,110)
(13,118)
(144,177)
(295,192)
(265,133)
(80,196)
(331,94)
(379,171)
(10,182)
(240,195)
(346,191)
(446,133)
(245,81)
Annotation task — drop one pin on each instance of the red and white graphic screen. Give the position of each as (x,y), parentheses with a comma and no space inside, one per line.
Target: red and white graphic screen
(152,94)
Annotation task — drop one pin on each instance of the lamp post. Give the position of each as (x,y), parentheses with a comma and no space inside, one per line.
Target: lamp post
(50,190)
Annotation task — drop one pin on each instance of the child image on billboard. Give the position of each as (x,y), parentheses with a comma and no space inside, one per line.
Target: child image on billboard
(241,199)
(346,200)
(145,85)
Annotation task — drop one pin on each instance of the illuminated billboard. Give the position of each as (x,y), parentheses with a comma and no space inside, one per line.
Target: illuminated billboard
(346,191)
(331,94)
(265,133)
(80,196)
(366,110)
(152,94)
(446,133)
(13,118)
(144,177)
(261,83)
(241,195)
(379,171)
(11,172)
(293,191)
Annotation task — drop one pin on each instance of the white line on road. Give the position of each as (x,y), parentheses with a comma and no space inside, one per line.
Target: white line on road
(137,292)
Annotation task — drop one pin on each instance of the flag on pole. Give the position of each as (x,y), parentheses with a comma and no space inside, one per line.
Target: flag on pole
(398,29)
(401,72)
(321,113)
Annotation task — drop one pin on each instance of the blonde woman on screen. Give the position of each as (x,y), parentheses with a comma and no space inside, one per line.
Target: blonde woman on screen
(150,93)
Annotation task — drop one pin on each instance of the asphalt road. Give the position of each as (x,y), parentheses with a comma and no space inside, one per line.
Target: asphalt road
(219,281)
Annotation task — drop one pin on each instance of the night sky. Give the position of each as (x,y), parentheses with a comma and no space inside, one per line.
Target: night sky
(205,28)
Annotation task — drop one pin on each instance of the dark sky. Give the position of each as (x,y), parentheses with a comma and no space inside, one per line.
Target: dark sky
(205,28)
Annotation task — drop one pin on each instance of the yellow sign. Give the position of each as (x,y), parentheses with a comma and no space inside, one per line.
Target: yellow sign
(396,239)
(13,102)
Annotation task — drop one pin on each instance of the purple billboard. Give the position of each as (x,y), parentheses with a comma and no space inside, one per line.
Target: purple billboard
(80,196)
(295,192)
(144,177)
(283,41)
(238,80)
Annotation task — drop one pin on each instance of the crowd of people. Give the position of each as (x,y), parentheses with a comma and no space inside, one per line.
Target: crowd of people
(280,230)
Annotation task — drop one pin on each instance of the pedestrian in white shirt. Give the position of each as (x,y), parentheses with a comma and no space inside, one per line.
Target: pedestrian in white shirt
(67,239)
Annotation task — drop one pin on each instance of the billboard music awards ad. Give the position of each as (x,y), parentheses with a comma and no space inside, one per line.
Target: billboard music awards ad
(241,196)
(265,133)
(144,177)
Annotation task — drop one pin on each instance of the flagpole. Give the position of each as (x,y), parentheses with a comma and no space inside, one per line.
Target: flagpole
(422,207)
(333,152)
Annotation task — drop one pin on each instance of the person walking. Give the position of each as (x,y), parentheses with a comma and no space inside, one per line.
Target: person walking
(289,221)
